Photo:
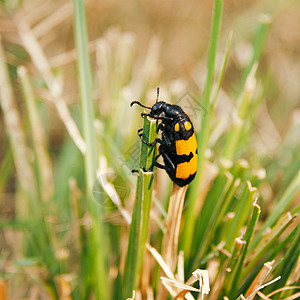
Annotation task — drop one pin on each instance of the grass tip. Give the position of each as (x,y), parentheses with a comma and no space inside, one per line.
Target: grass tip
(21,71)
(251,80)
(260,173)
(226,163)
(228,175)
(265,19)
(237,182)
(252,189)
(243,163)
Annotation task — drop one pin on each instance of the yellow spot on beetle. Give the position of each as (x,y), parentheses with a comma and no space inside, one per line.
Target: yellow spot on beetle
(185,169)
(187,125)
(176,128)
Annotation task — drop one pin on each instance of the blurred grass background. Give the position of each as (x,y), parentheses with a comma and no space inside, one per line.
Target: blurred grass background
(48,247)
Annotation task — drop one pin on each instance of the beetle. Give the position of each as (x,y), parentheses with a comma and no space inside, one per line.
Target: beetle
(177,144)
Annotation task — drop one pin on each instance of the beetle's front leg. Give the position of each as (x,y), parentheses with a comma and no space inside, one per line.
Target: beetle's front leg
(157,140)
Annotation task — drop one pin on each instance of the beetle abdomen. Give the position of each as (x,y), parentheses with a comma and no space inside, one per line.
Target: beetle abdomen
(186,148)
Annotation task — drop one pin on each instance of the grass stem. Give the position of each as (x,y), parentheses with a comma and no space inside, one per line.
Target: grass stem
(141,211)
(202,136)
(97,245)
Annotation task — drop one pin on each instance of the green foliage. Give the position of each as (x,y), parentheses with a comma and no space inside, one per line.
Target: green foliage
(83,227)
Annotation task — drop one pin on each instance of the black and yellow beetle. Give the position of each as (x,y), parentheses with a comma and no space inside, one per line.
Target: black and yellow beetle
(178,144)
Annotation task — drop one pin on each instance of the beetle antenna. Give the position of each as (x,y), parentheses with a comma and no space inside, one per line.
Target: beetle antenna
(157,94)
(140,104)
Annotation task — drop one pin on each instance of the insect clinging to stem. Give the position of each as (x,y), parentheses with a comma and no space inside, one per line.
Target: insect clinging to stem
(177,145)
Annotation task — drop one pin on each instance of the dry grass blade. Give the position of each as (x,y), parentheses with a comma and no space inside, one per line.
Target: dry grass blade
(177,289)
(64,288)
(160,261)
(198,275)
(259,279)
(173,285)
(58,16)
(70,56)
(41,62)
(180,267)
(292,297)
(286,288)
(261,295)
(262,286)
(170,239)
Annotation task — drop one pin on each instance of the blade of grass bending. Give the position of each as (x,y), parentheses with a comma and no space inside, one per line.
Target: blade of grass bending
(141,211)
(280,207)
(40,61)
(202,136)
(267,242)
(96,247)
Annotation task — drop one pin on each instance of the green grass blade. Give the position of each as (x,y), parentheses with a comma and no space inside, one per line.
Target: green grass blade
(15,131)
(97,245)
(233,267)
(6,169)
(287,263)
(284,202)
(85,86)
(241,211)
(267,242)
(247,237)
(210,213)
(258,46)
(233,137)
(222,70)
(280,207)
(141,211)
(203,135)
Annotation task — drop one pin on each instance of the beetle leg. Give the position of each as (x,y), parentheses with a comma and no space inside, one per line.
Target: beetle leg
(157,140)
(169,167)
(140,132)
(155,164)
(158,165)
(159,127)
(163,118)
